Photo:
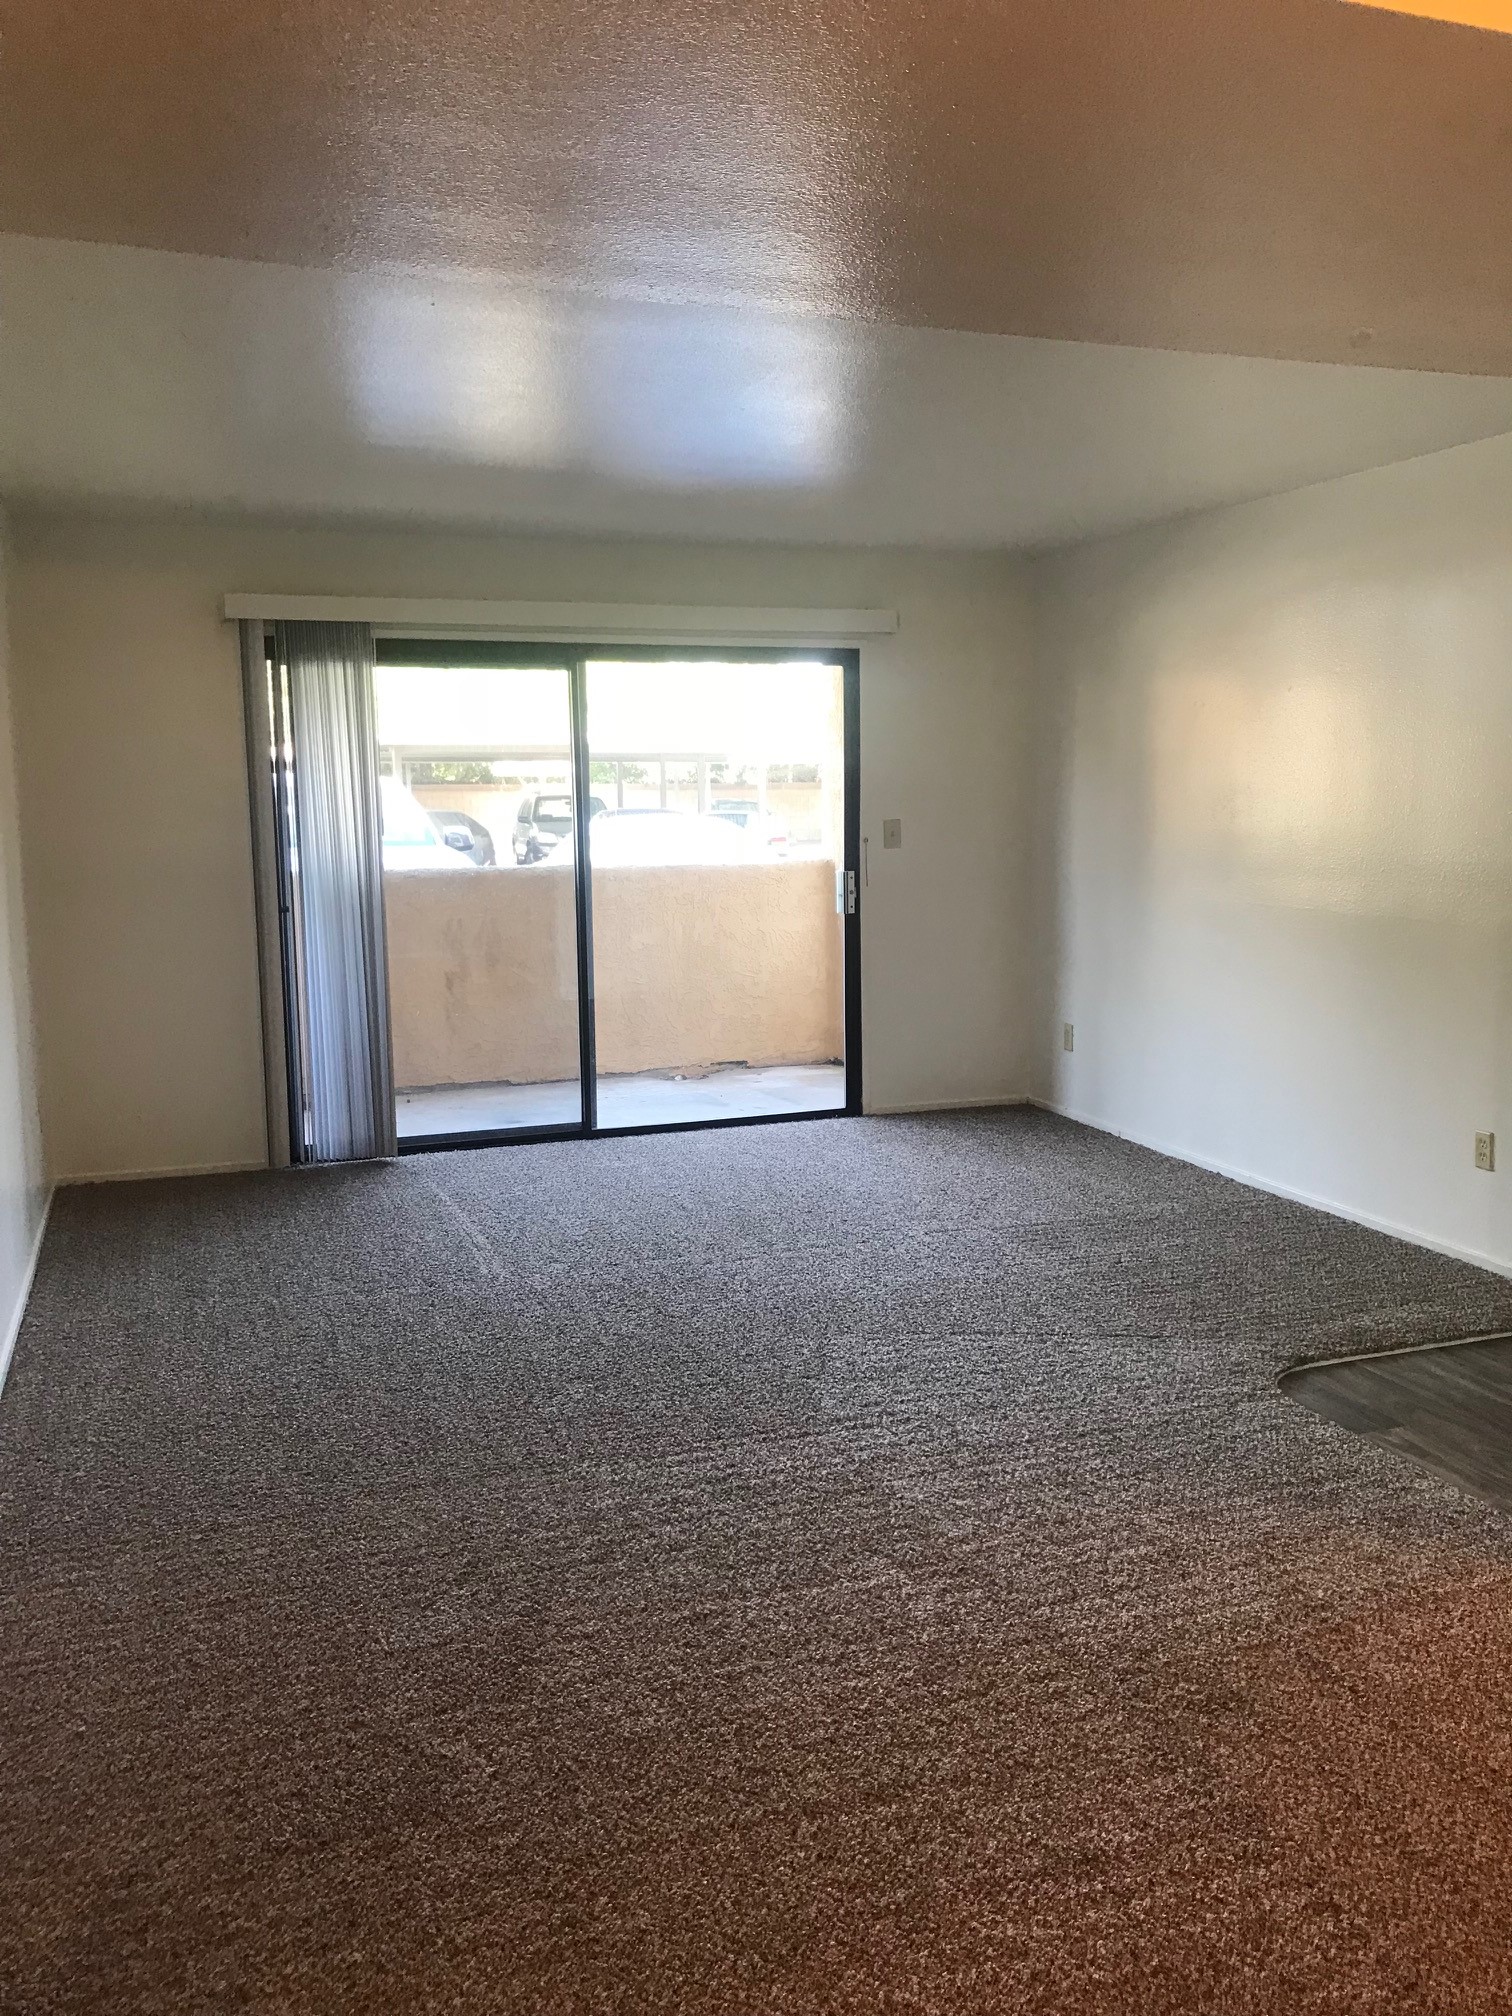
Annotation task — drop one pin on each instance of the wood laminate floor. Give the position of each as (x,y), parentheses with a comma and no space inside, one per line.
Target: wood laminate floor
(1447,1407)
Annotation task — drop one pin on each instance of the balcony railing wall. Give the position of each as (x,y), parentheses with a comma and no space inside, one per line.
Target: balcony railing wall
(694,967)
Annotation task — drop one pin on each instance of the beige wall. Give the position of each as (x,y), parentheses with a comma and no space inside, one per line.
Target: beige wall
(693,966)
(136,828)
(1278,866)
(135,809)
(23,1192)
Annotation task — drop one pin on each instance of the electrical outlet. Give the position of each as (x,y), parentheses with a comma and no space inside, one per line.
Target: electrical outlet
(1485,1152)
(1068,1035)
(892,832)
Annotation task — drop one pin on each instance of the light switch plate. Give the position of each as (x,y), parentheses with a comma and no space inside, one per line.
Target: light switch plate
(892,832)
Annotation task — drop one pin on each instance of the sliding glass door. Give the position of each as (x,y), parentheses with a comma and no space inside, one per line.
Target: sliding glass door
(475,767)
(600,891)
(718,901)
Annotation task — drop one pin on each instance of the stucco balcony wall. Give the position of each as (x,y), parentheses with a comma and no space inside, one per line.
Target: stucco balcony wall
(694,966)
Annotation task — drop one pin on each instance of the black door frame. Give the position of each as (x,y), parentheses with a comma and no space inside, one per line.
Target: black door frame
(574,659)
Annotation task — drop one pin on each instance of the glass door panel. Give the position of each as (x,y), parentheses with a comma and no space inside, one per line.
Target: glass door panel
(476,770)
(717,847)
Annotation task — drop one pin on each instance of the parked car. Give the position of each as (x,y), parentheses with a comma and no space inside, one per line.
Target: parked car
(656,839)
(467,835)
(763,826)
(544,818)
(411,838)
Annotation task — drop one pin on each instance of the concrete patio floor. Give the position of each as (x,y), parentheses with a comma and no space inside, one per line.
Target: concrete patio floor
(645,1099)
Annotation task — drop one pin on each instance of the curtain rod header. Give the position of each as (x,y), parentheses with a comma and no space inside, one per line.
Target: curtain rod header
(570,622)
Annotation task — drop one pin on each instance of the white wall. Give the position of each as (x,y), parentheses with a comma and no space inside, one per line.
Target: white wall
(23,1194)
(1277,856)
(1274,848)
(135,807)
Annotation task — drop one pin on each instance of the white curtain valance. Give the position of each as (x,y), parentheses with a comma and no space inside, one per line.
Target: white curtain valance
(570,622)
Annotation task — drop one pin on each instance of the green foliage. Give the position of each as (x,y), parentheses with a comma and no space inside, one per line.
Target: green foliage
(452,773)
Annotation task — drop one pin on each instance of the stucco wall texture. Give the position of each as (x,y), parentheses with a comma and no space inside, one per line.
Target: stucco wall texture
(693,966)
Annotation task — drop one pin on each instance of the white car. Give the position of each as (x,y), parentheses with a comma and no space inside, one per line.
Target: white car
(655,839)
(766,827)
(412,841)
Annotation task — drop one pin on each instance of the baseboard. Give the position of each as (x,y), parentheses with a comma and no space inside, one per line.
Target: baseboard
(23,1294)
(154,1175)
(952,1105)
(1408,1233)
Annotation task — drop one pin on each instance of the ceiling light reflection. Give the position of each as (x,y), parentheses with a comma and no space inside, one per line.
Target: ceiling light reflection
(692,397)
(676,397)
(468,373)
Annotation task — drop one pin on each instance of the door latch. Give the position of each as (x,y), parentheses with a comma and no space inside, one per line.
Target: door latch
(850,892)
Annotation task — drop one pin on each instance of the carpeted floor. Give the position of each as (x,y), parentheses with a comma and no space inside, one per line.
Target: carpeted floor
(851,1567)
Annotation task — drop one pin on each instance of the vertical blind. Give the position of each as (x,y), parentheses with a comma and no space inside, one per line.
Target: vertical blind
(333,875)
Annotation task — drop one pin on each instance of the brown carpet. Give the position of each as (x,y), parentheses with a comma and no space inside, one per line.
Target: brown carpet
(861,1566)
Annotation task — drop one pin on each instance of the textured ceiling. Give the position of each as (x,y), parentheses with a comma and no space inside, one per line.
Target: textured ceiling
(150,378)
(1285,178)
